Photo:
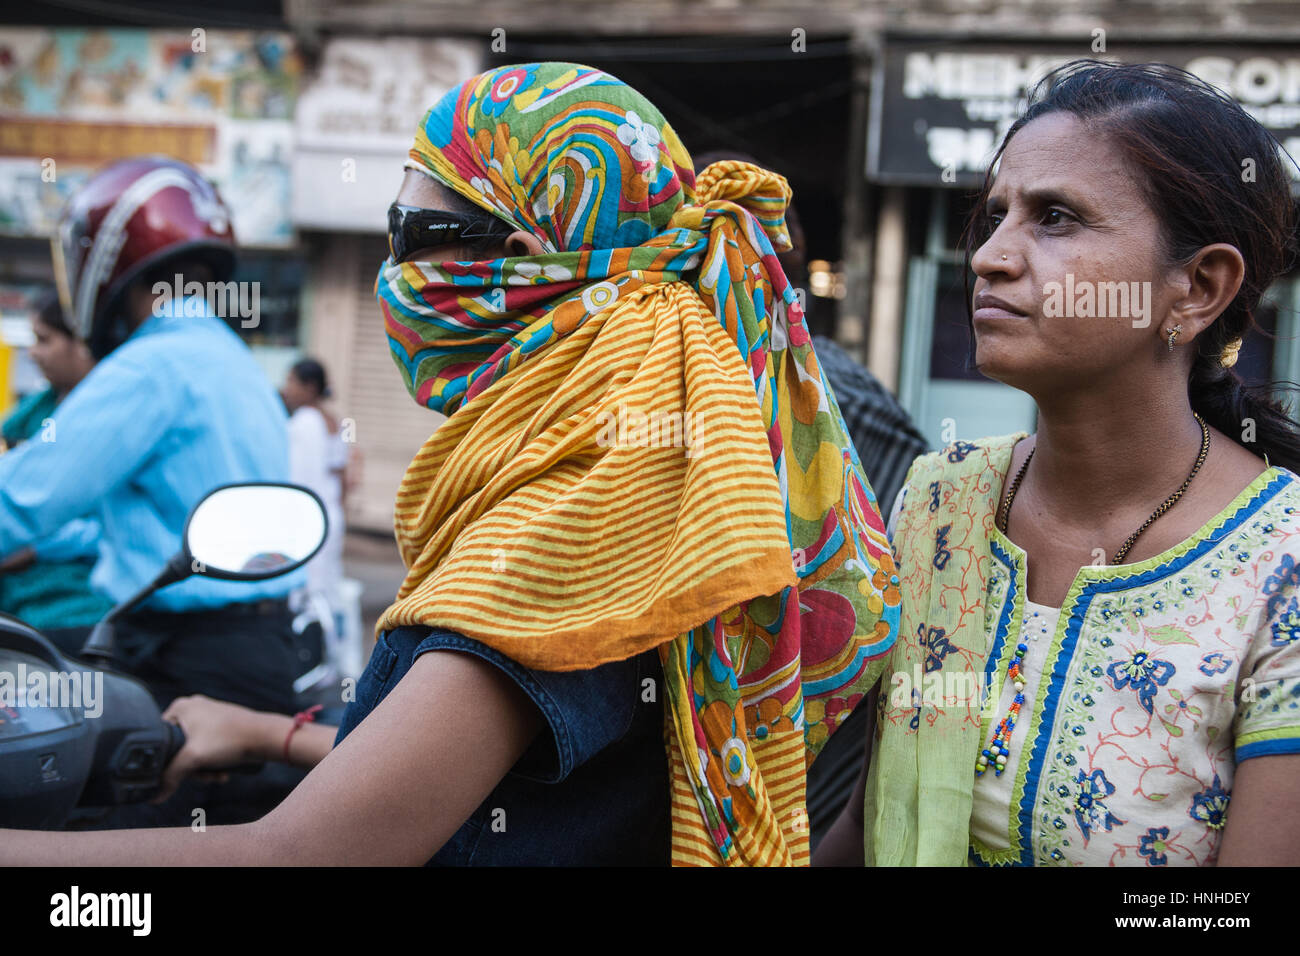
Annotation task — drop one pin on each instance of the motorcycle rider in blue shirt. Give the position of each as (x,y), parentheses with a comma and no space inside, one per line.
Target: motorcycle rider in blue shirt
(175,407)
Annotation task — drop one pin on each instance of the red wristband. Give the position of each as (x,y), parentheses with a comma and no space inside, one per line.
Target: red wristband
(300,718)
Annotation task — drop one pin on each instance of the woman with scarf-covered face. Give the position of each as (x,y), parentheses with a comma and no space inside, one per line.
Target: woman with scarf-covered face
(646,576)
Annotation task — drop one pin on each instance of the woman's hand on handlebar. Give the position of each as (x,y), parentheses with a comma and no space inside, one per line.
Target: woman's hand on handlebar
(217,735)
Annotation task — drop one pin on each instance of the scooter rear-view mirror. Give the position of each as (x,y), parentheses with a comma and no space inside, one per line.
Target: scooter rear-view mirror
(240,532)
(254,531)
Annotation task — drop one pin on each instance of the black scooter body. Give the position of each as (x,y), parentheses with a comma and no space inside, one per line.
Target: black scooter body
(55,759)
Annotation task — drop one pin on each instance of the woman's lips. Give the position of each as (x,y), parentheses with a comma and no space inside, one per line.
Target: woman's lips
(991,307)
(990,312)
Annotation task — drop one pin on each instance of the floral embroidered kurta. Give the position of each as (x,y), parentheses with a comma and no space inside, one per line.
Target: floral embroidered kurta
(1143,691)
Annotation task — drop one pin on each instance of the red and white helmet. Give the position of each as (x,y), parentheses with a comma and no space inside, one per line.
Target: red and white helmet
(128,218)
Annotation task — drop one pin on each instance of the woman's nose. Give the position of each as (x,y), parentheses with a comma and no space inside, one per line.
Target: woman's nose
(995,255)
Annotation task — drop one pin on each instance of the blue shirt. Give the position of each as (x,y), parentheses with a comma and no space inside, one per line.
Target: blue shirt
(76,540)
(176,410)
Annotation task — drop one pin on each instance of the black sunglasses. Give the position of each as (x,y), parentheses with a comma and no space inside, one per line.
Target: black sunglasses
(411,228)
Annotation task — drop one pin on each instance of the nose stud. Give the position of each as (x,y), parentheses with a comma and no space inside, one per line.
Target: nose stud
(1004,258)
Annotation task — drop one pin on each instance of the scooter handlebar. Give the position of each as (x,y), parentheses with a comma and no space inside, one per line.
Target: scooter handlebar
(176,740)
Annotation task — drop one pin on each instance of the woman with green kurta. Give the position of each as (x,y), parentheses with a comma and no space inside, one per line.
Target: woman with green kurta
(1099,660)
(48,585)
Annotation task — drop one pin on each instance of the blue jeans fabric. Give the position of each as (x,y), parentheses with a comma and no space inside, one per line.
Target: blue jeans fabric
(593,788)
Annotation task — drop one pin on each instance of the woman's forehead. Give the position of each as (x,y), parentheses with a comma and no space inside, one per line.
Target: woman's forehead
(1048,143)
(1058,154)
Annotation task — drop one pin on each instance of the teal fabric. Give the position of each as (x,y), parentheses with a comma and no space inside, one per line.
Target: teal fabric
(53,595)
(49,594)
(25,420)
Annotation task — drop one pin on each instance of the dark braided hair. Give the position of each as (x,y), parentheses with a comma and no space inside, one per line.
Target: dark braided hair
(1188,143)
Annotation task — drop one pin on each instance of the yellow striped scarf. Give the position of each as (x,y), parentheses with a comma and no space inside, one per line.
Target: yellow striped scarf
(641,451)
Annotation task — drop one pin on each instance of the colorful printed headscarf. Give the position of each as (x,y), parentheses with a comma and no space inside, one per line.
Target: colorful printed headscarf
(641,451)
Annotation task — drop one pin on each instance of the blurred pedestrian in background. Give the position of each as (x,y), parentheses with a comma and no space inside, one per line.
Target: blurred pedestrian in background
(47,584)
(318,459)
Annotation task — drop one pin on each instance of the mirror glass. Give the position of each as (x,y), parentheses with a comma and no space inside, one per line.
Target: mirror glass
(254,531)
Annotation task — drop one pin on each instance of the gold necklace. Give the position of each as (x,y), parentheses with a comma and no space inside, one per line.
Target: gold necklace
(1004,513)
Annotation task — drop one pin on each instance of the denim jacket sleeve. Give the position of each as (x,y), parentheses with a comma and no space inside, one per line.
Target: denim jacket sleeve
(584,711)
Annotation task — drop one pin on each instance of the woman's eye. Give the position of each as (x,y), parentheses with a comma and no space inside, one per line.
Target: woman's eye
(1056,217)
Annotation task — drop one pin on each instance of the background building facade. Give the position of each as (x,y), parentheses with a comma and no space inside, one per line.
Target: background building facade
(882,116)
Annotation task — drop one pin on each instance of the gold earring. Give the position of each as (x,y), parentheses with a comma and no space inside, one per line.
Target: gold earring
(1228,357)
(1175,331)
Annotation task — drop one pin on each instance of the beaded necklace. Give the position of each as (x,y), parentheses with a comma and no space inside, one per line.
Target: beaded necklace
(1000,743)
